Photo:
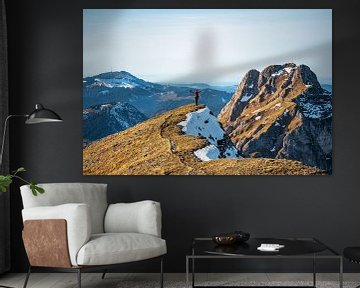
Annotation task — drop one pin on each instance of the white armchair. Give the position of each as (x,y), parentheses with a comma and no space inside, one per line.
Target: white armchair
(72,228)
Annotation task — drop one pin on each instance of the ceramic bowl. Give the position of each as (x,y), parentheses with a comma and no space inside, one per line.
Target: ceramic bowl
(225,239)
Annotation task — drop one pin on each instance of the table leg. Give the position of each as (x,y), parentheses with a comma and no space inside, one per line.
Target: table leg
(314,271)
(193,267)
(193,272)
(187,272)
(341,273)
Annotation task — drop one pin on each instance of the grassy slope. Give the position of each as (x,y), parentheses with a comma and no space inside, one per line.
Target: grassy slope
(159,147)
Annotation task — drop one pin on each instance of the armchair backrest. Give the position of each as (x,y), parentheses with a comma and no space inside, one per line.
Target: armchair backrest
(92,194)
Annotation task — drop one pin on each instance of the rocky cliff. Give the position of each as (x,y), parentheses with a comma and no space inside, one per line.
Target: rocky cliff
(281,112)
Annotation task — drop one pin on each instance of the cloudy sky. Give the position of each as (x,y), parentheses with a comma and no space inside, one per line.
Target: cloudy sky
(215,46)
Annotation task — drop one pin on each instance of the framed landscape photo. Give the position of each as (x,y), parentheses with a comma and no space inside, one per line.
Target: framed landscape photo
(207,91)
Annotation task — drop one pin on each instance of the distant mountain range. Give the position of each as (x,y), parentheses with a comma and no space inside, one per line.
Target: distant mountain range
(225,88)
(149,98)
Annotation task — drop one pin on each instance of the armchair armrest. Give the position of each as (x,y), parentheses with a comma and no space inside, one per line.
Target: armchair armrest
(78,225)
(138,217)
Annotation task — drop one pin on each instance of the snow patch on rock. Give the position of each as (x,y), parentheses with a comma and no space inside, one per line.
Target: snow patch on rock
(246,97)
(114,83)
(104,92)
(282,71)
(208,153)
(316,110)
(202,123)
(288,69)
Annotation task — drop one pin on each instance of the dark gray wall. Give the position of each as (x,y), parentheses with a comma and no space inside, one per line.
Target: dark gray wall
(45,49)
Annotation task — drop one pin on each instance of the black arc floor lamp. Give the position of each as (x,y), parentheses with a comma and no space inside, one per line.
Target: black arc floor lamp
(39,115)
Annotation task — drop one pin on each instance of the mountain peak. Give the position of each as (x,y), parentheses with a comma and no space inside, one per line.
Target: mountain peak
(246,90)
(309,77)
(282,108)
(116,79)
(116,75)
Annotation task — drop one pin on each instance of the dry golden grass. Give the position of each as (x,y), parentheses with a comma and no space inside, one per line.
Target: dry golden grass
(257,166)
(159,147)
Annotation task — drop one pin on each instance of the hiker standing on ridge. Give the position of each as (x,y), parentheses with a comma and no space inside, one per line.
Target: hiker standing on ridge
(196,95)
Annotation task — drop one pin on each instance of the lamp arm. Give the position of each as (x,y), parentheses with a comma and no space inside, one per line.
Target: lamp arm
(4,134)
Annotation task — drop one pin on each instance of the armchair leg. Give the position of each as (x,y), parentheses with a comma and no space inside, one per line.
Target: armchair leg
(79,277)
(161,273)
(103,275)
(27,277)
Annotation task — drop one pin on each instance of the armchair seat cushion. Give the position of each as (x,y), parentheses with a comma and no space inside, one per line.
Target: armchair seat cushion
(113,248)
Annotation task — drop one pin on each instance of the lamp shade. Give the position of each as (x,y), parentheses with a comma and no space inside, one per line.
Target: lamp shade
(42,115)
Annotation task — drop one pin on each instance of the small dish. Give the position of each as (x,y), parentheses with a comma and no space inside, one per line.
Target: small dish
(225,239)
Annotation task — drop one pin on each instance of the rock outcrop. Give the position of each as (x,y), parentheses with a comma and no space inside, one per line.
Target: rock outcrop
(282,112)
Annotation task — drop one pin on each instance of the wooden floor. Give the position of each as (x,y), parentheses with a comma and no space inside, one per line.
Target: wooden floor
(116,280)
